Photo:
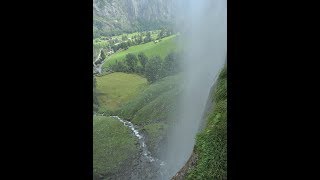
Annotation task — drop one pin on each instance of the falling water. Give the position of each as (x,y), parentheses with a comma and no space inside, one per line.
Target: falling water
(203,27)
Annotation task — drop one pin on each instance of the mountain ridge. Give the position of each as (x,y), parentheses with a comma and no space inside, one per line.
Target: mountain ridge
(112,17)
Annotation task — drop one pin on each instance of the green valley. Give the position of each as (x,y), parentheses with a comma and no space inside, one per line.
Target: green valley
(162,48)
(159,89)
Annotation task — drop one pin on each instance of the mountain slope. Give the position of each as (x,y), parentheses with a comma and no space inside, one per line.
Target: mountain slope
(211,143)
(209,157)
(116,16)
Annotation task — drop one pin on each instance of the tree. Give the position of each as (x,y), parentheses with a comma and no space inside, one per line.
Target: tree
(115,48)
(124,45)
(139,39)
(167,32)
(131,61)
(119,67)
(143,59)
(129,43)
(153,69)
(139,70)
(102,55)
(148,37)
(171,64)
(124,37)
(101,58)
(161,33)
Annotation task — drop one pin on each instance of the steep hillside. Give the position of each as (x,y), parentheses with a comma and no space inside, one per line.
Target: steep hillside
(211,143)
(118,16)
(209,157)
(150,110)
(147,106)
(114,147)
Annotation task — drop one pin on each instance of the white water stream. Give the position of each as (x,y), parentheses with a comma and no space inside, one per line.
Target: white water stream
(145,152)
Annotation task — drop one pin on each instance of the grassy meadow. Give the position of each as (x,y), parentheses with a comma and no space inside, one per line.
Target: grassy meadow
(131,97)
(116,89)
(162,48)
(100,42)
(113,145)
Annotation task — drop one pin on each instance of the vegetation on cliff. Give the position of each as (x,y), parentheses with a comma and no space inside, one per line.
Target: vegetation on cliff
(211,143)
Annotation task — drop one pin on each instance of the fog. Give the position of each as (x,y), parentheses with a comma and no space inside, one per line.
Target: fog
(203,28)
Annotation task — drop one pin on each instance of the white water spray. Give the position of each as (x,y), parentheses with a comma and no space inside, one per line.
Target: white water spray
(203,27)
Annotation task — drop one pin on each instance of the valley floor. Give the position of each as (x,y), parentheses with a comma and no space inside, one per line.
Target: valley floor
(145,105)
(148,106)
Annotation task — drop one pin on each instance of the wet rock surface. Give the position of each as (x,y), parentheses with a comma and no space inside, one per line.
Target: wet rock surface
(181,174)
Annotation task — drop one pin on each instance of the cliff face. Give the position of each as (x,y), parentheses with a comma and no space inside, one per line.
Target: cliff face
(182,173)
(211,145)
(130,15)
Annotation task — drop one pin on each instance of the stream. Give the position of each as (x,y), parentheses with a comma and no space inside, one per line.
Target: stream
(145,152)
(147,167)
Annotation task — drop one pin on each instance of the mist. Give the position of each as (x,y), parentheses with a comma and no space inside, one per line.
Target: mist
(203,38)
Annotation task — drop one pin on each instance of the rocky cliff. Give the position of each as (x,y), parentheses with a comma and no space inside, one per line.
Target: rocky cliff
(116,16)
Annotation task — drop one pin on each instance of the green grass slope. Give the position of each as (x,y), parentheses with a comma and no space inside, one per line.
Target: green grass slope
(130,97)
(144,108)
(116,89)
(162,48)
(211,143)
(101,43)
(113,145)
(150,109)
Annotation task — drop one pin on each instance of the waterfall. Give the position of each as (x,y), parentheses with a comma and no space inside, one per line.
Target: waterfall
(203,27)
